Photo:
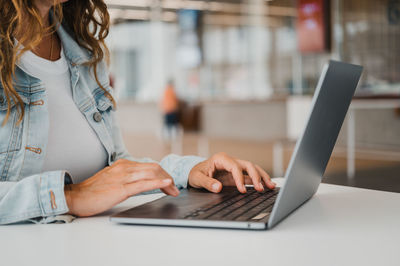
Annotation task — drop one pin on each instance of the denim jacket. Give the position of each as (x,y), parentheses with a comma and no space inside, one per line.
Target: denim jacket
(27,193)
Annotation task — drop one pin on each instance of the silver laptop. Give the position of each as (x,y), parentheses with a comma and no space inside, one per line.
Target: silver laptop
(263,210)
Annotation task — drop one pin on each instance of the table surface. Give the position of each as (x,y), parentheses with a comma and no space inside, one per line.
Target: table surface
(338,226)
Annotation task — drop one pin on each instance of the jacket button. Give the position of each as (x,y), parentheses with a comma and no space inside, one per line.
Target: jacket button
(97,117)
(113,156)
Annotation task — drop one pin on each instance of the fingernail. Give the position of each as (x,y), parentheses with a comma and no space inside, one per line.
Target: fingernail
(244,188)
(176,189)
(167,181)
(215,187)
(261,185)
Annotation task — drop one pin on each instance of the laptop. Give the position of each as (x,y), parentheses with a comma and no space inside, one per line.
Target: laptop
(263,210)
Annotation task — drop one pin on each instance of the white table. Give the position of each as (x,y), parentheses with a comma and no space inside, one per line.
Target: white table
(339,226)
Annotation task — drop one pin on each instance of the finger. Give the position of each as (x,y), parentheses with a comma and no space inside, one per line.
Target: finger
(253,173)
(171,190)
(237,174)
(145,171)
(138,171)
(247,180)
(144,174)
(139,174)
(226,178)
(146,185)
(211,170)
(157,171)
(148,173)
(201,180)
(228,164)
(266,178)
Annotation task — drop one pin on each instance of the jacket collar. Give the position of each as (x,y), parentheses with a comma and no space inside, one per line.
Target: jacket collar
(74,53)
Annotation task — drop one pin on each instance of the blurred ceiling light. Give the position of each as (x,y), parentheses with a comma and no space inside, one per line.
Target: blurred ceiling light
(184,4)
(129,14)
(131,3)
(212,6)
(236,20)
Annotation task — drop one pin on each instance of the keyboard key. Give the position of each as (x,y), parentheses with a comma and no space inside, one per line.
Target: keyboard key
(253,212)
(219,207)
(238,206)
(256,205)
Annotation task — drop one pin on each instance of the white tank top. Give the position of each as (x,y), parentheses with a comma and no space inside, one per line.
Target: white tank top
(72,145)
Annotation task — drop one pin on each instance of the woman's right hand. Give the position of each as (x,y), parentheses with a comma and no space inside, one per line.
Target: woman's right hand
(115,184)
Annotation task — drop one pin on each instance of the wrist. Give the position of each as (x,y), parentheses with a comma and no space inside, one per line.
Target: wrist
(68,197)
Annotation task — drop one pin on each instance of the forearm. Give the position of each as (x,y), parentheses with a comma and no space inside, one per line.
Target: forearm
(177,166)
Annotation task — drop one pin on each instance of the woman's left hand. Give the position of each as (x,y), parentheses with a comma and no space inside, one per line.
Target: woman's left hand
(203,175)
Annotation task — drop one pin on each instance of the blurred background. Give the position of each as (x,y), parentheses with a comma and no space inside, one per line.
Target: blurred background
(199,77)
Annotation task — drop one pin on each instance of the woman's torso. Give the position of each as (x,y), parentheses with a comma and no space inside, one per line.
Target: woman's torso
(72,144)
(25,147)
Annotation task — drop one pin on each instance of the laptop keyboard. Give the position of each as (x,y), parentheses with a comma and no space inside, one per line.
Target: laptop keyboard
(252,205)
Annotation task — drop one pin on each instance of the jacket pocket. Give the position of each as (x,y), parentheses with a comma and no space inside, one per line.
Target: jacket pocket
(104,105)
(103,101)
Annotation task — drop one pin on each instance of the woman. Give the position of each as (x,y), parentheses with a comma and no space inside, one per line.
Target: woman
(61,151)
(170,109)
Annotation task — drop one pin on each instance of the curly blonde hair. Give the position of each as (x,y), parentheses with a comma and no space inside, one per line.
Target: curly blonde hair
(89,31)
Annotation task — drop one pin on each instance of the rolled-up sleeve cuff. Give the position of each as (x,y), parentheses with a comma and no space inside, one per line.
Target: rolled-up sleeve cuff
(67,179)
(52,197)
(185,166)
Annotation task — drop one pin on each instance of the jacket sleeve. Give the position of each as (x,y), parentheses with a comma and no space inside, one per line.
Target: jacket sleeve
(178,167)
(38,198)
